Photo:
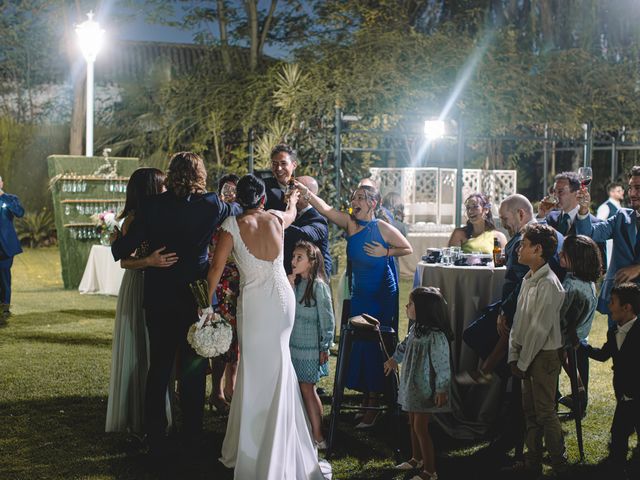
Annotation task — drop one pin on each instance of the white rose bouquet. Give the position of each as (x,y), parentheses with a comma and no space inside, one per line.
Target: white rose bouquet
(211,335)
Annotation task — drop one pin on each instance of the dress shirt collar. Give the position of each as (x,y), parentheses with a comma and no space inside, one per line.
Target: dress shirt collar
(627,326)
(541,273)
(572,214)
(300,212)
(615,202)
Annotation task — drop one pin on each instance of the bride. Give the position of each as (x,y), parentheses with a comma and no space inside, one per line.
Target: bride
(268,435)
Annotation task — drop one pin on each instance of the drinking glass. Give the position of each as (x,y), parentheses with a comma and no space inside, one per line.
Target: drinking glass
(586,175)
(446,256)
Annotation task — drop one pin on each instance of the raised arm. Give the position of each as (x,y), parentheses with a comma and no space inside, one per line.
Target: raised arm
(290,213)
(336,216)
(220,255)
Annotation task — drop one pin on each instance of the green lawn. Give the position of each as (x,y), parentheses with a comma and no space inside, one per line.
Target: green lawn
(54,375)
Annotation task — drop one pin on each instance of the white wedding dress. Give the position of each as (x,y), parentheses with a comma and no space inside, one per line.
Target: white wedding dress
(268,435)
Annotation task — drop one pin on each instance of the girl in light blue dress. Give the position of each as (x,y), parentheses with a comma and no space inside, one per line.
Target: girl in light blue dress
(312,332)
(426,374)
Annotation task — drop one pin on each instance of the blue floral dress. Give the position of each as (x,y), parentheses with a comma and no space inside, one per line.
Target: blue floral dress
(426,371)
(312,332)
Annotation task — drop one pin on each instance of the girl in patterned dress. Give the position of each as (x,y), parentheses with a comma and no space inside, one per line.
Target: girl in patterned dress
(312,332)
(426,374)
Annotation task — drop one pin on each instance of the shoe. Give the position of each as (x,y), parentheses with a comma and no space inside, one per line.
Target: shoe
(568,402)
(521,471)
(220,404)
(321,445)
(362,425)
(410,464)
(3,321)
(474,377)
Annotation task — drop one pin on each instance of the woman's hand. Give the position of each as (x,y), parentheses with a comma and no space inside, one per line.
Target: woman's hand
(390,366)
(440,399)
(375,249)
(324,357)
(627,274)
(161,260)
(292,197)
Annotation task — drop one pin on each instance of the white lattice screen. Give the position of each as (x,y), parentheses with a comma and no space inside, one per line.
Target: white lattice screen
(429,194)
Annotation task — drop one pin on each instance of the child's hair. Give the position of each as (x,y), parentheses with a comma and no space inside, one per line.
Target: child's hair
(317,270)
(628,294)
(431,311)
(584,257)
(543,235)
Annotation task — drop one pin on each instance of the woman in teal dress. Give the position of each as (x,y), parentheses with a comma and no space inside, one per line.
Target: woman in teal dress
(371,244)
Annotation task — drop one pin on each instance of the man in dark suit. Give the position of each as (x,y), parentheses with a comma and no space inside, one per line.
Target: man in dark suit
(623,346)
(310,226)
(182,220)
(284,161)
(566,188)
(10,208)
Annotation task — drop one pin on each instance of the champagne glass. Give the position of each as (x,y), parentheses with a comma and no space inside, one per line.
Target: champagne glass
(585,174)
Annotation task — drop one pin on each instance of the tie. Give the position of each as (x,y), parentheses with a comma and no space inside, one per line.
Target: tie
(563,225)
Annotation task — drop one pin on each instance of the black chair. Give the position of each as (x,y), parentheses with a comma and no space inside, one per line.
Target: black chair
(386,338)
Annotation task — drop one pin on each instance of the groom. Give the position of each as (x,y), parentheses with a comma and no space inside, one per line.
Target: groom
(183,220)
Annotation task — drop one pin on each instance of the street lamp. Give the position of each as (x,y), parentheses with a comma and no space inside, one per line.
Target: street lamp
(90,39)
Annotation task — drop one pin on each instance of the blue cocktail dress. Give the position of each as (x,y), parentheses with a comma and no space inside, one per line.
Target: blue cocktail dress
(375,292)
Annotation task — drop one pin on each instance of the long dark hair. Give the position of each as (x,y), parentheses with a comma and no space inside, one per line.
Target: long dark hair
(317,270)
(143,183)
(250,191)
(431,312)
(488,217)
(583,254)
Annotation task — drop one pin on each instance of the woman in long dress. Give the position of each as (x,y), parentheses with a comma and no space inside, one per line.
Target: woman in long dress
(268,435)
(130,347)
(371,245)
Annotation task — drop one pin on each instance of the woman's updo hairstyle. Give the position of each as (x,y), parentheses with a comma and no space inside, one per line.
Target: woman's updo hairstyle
(250,192)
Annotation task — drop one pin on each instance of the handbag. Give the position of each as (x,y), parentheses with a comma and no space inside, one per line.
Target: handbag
(365,322)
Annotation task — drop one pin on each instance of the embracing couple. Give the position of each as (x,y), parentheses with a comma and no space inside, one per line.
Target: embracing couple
(267,434)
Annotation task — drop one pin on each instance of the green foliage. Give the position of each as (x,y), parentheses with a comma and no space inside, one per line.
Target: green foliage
(36,229)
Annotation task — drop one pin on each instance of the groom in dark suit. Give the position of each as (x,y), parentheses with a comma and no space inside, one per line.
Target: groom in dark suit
(183,220)
(310,226)
(284,161)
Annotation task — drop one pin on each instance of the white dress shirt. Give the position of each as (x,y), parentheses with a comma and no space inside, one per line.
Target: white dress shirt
(536,323)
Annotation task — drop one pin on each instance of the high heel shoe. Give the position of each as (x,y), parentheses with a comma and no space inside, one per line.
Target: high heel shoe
(411,464)
(363,425)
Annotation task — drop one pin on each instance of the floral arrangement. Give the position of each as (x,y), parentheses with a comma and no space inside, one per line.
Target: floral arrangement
(209,338)
(105,221)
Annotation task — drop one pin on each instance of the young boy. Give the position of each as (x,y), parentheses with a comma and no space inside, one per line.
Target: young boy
(623,346)
(534,342)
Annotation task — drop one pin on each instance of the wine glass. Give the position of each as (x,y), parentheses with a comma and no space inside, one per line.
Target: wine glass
(585,174)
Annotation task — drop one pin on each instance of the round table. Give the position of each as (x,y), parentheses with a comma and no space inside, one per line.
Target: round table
(467,291)
(102,275)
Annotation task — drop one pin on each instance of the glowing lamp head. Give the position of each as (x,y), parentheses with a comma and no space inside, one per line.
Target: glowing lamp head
(90,38)
(434,129)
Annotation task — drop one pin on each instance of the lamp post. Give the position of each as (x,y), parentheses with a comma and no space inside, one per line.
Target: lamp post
(90,39)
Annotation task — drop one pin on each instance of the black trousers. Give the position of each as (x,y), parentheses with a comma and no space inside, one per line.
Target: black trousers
(168,326)
(626,419)
(5,278)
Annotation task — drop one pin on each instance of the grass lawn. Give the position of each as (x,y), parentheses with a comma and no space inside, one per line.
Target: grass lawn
(54,375)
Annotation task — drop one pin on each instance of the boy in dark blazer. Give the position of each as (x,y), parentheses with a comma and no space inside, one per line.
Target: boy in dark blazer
(623,346)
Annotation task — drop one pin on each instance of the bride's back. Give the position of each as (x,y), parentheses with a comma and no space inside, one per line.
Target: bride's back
(261,233)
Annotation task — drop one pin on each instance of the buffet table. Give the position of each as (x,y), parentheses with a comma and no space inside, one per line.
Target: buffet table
(103,274)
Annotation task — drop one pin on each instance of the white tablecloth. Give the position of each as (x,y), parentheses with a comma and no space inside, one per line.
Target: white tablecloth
(420,242)
(467,291)
(102,274)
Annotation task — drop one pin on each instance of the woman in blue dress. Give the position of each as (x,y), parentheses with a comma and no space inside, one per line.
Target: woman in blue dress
(371,244)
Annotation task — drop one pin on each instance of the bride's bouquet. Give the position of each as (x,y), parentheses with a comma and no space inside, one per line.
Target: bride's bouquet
(208,338)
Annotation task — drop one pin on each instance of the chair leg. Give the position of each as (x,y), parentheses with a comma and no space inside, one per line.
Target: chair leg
(344,350)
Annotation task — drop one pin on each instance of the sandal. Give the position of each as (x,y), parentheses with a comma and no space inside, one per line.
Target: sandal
(220,404)
(424,475)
